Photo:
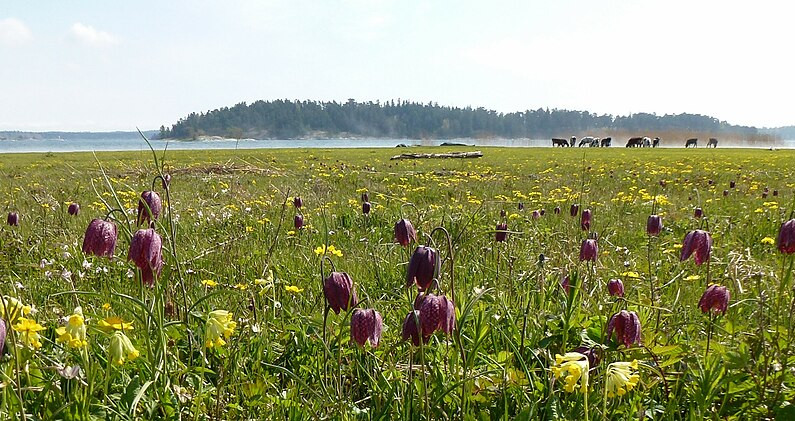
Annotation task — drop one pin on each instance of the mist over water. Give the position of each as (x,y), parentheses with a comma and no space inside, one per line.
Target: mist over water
(136,143)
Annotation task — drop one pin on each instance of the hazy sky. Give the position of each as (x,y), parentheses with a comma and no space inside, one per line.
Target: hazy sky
(111,65)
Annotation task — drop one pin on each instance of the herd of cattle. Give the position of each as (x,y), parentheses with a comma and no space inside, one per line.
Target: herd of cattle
(633,142)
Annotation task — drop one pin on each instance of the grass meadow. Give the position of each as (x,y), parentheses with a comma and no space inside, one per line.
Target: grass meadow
(239,277)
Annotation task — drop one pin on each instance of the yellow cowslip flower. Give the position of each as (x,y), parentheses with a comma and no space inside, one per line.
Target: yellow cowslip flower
(219,327)
(572,368)
(621,377)
(768,240)
(241,286)
(28,331)
(106,306)
(121,349)
(11,309)
(693,278)
(321,250)
(113,323)
(631,274)
(74,333)
(209,283)
(294,289)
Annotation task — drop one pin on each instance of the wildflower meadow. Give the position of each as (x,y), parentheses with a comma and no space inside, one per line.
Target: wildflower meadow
(339,284)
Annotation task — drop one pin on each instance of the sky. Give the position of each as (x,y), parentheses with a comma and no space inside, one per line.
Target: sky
(101,65)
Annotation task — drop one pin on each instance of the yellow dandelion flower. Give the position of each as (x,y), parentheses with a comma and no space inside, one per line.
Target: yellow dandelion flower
(113,323)
(768,240)
(693,278)
(294,289)
(573,369)
(621,377)
(28,331)
(106,306)
(209,283)
(631,274)
(241,286)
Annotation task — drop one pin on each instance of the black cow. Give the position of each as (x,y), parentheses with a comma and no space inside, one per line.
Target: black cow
(691,142)
(656,142)
(605,143)
(635,142)
(712,142)
(560,142)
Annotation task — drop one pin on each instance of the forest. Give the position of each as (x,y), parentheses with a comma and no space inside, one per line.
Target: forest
(285,119)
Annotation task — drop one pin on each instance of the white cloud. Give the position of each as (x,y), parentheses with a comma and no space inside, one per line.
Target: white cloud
(91,36)
(13,32)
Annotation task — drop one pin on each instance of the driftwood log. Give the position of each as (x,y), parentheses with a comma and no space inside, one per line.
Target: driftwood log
(473,154)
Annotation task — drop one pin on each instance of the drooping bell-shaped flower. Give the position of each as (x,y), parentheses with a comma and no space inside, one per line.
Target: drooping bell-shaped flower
(732,184)
(437,312)
(626,326)
(621,377)
(572,368)
(589,250)
(565,283)
(73,209)
(100,238)
(574,209)
(146,252)
(121,349)
(149,207)
(405,232)
(219,328)
(521,206)
(698,213)
(775,193)
(585,220)
(365,197)
(615,287)
(366,208)
(366,325)
(715,298)
(339,292)
(501,233)
(13,219)
(536,214)
(411,330)
(73,333)
(593,356)
(556,211)
(697,243)
(654,225)
(298,221)
(166,181)
(298,202)
(786,237)
(725,193)
(423,267)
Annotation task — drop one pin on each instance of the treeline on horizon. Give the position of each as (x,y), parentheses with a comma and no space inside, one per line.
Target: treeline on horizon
(285,119)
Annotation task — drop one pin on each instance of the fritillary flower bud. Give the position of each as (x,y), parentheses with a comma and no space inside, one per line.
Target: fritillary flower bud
(339,292)
(732,184)
(536,214)
(775,193)
(13,219)
(585,220)
(501,233)
(410,328)
(502,213)
(786,237)
(3,333)
(725,193)
(166,181)
(654,225)
(100,238)
(626,326)
(298,202)
(591,353)
(764,195)
(565,283)
(574,209)
(698,213)
(298,221)
(366,208)
(365,197)
(556,211)
(404,232)
(73,209)
(589,250)
(615,287)
(423,267)
(521,206)
(697,243)
(366,326)
(715,298)
(149,207)
(542,212)
(146,252)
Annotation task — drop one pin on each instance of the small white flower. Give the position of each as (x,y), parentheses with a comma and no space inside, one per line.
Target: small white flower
(86,264)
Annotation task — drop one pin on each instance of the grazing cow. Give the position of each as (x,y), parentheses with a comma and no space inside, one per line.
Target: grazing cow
(635,142)
(585,141)
(712,142)
(605,143)
(560,142)
(691,142)
(595,142)
(656,142)
(646,142)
